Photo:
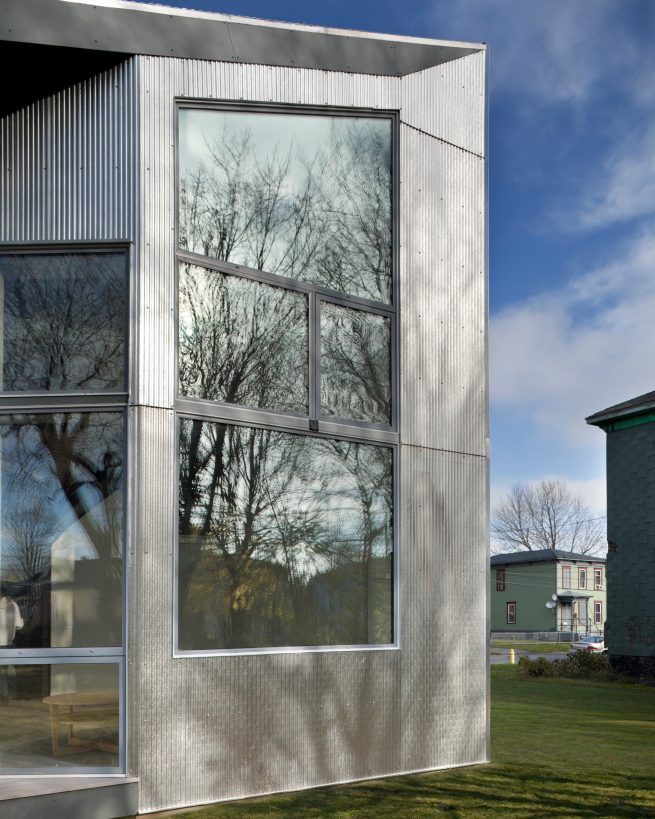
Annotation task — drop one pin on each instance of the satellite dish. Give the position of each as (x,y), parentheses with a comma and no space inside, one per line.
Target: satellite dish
(551,604)
(553,597)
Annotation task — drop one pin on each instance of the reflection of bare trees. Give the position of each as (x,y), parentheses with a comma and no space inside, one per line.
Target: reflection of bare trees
(242,342)
(28,531)
(282,538)
(70,467)
(355,364)
(322,215)
(63,321)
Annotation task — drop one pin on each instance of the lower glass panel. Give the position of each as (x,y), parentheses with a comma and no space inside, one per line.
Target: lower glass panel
(285,540)
(60,716)
(61,511)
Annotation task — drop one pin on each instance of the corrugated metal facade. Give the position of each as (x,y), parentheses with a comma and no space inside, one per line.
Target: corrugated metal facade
(97,162)
(68,163)
(224,727)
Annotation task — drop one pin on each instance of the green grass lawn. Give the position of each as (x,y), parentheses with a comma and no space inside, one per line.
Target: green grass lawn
(559,748)
(534,646)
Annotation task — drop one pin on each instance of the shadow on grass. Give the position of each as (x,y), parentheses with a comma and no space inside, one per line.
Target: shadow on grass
(495,790)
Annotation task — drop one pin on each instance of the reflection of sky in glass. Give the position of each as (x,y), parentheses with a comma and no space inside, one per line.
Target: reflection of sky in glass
(355,364)
(29,486)
(302,196)
(284,539)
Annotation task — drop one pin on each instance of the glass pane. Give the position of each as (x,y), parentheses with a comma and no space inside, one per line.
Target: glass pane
(242,342)
(308,197)
(63,321)
(285,540)
(61,509)
(355,364)
(59,716)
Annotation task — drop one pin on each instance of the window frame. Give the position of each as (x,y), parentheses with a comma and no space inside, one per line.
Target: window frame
(582,572)
(598,583)
(598,612)
(314,423)
(45,402)
(566,584)
(500,579)
(510,613)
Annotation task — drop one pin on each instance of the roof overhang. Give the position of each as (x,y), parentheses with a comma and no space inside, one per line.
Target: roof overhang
(122,27)
(569,597)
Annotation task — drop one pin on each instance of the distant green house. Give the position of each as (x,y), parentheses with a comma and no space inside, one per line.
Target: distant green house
(630,429)
(548,590)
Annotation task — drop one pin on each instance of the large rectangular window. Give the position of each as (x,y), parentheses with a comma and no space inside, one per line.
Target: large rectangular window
(287,379)
(63,398)
(63,321)
(302,196)
(285,540)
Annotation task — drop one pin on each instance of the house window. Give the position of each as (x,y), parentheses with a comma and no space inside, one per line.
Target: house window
(286,380)
(566,577)
(598,579)
(510,617)
(582,578)
(500,579)
(598,612)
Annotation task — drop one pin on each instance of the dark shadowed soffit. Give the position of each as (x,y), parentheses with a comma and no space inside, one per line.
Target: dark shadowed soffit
(634,406)
(139,28)
(31,72)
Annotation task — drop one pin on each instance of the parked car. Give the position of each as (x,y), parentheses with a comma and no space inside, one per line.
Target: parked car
(593,643)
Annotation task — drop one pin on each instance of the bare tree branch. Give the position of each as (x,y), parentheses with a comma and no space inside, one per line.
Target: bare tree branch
(545,515)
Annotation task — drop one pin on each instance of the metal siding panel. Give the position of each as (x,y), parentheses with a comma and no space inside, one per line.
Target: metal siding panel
(444,629)
(443,296)
(68,163)
(448,102)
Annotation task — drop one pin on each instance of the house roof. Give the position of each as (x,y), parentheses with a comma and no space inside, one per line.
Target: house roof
(125,27)
(634,406)
(542,556)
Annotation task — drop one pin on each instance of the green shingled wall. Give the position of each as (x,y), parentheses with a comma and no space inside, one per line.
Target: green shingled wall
(530,587)
(630,630)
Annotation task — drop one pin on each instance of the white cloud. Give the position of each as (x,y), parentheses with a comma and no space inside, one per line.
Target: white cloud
(563,355)
(556,51)
(624,185)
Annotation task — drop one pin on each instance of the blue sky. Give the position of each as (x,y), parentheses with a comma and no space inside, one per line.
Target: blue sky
(572,210)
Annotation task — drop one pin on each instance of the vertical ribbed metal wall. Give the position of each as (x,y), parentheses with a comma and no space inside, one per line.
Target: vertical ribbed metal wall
(68,163)
(203,729)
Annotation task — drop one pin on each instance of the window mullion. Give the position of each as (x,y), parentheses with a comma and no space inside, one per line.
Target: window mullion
(314,358)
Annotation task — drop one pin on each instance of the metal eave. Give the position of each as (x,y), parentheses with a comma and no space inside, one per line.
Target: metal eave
(139,28)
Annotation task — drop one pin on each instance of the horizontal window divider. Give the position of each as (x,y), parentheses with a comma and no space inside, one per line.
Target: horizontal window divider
(362,433)
(222,652)
(275,280)
(49,401)
(228,413)
(354,112)
(54,247)
(243,416)
(54,657)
